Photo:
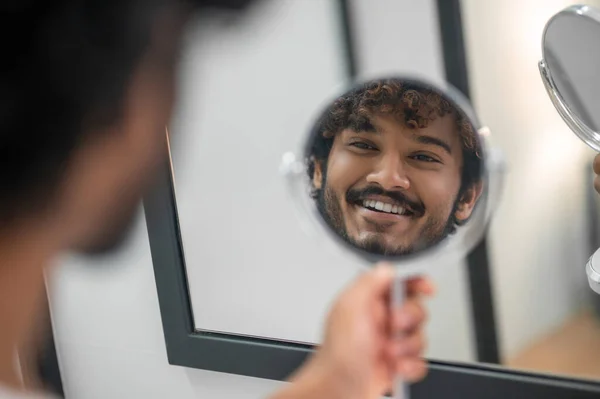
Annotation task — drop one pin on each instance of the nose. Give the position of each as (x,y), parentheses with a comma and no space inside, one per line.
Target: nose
(390,174)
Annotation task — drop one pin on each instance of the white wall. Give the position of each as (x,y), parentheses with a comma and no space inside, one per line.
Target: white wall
(397,36)
(105,312)
(252,270)
(539,234)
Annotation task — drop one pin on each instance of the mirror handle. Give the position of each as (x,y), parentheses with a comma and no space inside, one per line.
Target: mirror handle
(398,297)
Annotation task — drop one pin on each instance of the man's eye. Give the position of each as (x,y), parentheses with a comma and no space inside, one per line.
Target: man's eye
(362,146)
(424,158)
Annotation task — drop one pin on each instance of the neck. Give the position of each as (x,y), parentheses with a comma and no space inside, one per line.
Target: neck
(23,257)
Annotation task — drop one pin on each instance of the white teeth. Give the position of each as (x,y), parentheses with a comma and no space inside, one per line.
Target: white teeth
(380,206)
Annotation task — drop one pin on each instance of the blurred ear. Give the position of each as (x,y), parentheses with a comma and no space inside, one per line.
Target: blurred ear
(317,179)
(468,201)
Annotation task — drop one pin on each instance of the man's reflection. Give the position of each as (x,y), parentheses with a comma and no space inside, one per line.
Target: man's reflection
(395,167)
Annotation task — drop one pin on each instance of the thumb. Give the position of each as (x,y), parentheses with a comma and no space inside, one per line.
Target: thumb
(376,282)
(596,164)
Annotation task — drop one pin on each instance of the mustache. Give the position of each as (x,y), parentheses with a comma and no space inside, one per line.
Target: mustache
(360,194)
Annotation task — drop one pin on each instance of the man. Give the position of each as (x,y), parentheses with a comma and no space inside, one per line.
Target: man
(87,90)
(395,167)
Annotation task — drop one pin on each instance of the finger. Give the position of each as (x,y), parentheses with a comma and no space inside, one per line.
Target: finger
(412,369)
(375,283)
(420,286)
(597,164)
(409,316)
(411,346)
(597,184)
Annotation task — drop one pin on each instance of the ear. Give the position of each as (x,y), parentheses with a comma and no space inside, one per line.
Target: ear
(317,179)
(468,201)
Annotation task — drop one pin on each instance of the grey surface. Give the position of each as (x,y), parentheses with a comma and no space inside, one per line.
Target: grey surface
(572,52)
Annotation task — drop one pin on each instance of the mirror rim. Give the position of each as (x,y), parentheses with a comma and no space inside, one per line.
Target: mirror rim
(580,128)
(295,168)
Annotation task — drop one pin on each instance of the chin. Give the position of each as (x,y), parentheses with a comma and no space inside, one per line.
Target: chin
(374,245)
(379,246)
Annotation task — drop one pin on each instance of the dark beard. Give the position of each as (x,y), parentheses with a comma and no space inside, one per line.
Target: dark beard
(329,207)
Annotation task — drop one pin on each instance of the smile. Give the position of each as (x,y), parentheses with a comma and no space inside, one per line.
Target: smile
(385,207)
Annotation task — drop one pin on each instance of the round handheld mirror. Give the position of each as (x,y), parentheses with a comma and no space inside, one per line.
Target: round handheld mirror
(396,169)
(569,69)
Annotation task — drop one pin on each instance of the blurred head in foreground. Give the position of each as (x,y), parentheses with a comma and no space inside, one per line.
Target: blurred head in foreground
(87,90)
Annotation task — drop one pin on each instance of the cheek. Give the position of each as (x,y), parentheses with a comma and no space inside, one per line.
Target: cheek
(437,189)
(343,172)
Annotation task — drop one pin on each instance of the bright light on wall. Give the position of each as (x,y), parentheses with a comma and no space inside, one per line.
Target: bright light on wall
(544,196)
(531,19)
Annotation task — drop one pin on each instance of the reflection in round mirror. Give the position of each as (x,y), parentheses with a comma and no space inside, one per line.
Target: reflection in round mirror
(570,68)
(394,168)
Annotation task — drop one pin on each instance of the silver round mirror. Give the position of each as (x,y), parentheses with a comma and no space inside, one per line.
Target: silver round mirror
(569,70)
(396,169)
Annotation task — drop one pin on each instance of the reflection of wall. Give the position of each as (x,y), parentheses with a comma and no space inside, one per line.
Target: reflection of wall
(386,42)
(251,268)
(107,322)
(538,239)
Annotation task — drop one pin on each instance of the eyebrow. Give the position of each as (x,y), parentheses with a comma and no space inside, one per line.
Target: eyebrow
(368,126)
(434,141)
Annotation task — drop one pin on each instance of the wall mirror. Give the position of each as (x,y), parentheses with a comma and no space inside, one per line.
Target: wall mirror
(261,242)
(231,260)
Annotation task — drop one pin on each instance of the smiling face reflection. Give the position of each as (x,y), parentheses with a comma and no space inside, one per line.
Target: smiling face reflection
(392,183)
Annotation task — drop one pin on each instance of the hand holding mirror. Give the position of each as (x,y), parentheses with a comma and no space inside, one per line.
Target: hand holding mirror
(396,169)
